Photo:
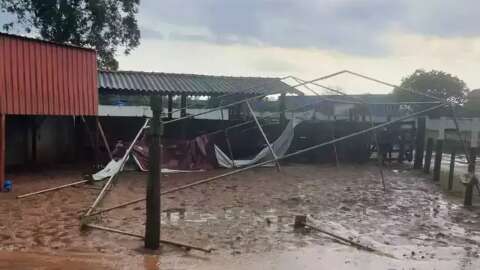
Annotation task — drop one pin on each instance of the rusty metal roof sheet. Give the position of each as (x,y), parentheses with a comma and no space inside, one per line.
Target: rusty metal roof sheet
(135,82)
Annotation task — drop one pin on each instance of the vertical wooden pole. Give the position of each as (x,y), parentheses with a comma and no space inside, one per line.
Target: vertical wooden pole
(170,106)
(2,149)
(152,224)
(183,105)
(437,167)
(401,151)
(471,170)
(451,173)
(420,142)
(428,156)
(282,108)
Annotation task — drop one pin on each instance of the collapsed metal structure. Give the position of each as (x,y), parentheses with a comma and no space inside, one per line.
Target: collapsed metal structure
(435,102)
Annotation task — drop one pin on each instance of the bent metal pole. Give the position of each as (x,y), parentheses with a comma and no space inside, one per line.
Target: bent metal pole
(124,158)
(270,161)
(264,135)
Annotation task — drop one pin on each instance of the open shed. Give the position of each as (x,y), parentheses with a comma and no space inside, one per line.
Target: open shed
(40,79)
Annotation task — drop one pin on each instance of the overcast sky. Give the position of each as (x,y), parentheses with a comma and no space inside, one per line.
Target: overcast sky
(310,38)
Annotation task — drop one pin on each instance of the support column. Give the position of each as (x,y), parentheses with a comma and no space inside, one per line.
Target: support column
(2,149)
(420,142)
(183,105)
(451,173)
(282,108)
(471,165)
(437,167)
(152,224)
(428,156)
(471,171)
(170,106)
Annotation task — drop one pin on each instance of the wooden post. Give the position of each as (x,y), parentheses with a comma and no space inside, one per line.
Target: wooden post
(2,149)
(471,170)
(152,224)
(401,151)
(437,167)
(451,173)
(170,106)
(282,108)
(183,105)
(420,142)
(428,156)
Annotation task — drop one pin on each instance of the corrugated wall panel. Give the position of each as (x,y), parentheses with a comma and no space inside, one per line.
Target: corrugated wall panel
(42,78)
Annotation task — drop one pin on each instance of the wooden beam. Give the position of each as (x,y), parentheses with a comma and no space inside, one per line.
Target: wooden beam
(438,160)
(170,106)
(152,224)
(282,107)
(183,105)
(420,142)
(451,173)
(2,149)
(428,156)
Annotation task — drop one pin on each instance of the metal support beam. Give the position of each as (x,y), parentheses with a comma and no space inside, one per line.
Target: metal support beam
(263,134)
(214,178)
(101,194)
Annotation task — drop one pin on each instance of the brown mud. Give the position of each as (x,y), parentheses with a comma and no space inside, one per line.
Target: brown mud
(248,219)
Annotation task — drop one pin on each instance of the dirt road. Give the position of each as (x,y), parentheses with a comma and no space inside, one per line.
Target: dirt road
(248,219)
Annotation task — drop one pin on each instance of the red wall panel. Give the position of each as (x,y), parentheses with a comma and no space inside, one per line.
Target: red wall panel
(43,78)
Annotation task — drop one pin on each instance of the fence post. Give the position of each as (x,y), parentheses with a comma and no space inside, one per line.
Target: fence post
(428,156)
(152,223)
(451,173)
(437,167)
(420,142)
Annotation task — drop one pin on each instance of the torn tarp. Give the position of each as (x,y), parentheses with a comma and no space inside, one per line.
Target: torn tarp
(280,147)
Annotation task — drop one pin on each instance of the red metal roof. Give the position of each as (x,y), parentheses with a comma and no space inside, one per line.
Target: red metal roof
(44,78)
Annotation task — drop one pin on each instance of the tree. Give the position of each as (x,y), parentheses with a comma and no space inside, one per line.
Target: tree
(105,25)
(432,83)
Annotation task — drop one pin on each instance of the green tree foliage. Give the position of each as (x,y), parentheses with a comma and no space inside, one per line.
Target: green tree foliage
(106,25)
(433,83)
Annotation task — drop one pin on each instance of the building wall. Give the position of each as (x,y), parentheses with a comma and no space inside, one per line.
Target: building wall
(55,139)
(43,78)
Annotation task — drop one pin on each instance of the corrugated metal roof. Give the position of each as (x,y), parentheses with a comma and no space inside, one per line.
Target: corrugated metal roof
(135,82)
(44,78)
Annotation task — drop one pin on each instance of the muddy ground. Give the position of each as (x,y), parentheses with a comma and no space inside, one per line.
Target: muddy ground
(248,219)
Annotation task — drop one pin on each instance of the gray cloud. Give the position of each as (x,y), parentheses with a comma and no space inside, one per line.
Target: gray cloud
(351,26)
